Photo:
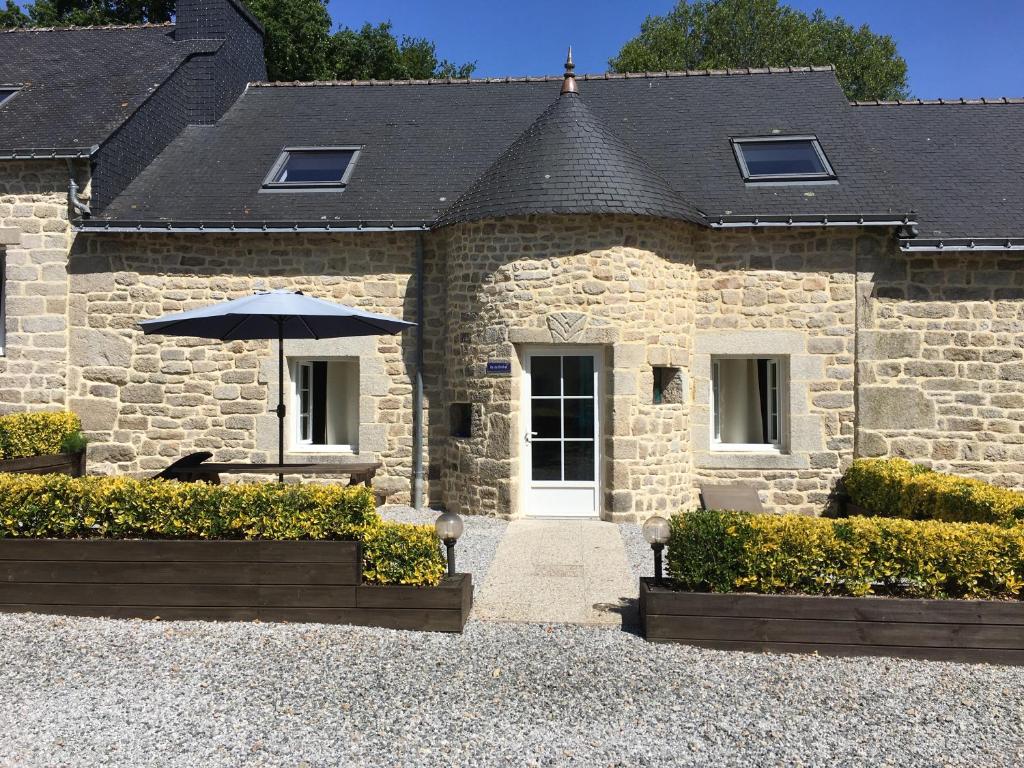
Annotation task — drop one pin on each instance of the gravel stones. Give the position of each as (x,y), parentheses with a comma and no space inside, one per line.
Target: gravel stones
(80,692)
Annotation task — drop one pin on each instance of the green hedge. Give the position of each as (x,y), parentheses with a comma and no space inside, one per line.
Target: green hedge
(57,506)
(736,552)
(39,434)
(897,488)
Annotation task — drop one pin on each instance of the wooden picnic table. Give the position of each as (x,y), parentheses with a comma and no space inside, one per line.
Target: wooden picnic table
(358,471)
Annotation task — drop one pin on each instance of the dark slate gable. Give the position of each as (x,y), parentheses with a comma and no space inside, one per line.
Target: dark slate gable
(960,165)
(79,85)
(567,161)
(425,144)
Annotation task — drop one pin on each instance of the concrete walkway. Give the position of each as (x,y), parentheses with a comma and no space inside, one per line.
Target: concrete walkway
(559,571)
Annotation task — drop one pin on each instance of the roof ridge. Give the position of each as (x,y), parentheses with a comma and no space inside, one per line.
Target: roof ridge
(87,28)
(548,78)
(933,102)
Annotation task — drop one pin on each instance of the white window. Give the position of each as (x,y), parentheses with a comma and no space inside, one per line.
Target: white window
(747,403)
(326,404)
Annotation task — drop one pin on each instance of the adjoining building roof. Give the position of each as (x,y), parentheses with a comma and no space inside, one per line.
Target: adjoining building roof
(567,161)
(425,144)
(78,85)
(959,163)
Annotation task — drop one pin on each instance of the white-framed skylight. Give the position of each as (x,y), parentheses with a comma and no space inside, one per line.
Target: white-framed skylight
(782,159)
(312,168)
(7,93)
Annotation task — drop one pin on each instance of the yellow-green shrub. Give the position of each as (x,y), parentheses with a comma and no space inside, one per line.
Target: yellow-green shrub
(733,551)
(897,488)
(37,434)
(58,506)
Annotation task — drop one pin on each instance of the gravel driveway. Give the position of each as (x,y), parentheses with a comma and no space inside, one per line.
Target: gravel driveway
(83,692)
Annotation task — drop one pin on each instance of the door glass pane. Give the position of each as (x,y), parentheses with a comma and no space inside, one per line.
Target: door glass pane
(546,417)
(545,375)
(579,375)
(579,418)
(579,460)
(547,460)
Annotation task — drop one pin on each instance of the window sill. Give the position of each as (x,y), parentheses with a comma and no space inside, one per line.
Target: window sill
(717,459)
(762,448)
(347,449)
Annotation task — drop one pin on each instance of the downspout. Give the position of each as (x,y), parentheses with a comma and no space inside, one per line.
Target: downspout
(417,398)
(73,199)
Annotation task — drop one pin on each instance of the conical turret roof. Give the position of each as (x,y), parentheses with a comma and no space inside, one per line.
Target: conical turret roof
(569,162)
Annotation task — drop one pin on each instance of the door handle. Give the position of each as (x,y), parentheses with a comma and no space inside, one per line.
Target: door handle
(529,435)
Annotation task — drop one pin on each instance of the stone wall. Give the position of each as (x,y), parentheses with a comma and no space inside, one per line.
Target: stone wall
(941,362)
(33,209)
(147,400)
(790,294)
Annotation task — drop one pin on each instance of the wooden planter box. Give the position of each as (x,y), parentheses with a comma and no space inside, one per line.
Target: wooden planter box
(54,464)
(301,581)
(950,630)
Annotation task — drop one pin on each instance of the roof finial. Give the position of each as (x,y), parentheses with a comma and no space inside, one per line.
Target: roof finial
(569,83)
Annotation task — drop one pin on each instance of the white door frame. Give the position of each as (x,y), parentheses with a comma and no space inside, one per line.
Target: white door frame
(526,484)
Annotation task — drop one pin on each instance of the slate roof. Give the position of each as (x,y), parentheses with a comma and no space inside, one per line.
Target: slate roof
(78,85)
(960,164)
(426,143)
(567,161)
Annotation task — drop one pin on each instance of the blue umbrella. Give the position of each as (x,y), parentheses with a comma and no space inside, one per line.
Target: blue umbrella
(275,315)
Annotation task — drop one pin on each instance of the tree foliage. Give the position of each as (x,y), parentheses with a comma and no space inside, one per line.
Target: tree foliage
(298,41)
(717,34)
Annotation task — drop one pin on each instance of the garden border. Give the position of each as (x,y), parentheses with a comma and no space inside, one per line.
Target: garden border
(295,581)
(989,631)
(50,464)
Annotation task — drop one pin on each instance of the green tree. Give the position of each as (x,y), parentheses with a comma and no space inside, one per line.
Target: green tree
(63,13)
(297,42)
(373,52)
(11,16)
(716,34)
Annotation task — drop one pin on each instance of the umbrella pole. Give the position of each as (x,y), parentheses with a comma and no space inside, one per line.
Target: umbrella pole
(280,396)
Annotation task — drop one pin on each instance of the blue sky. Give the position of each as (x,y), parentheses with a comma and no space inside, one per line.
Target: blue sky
(953,47)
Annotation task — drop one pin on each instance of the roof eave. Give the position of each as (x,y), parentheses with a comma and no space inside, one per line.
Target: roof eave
(748,221)
(214,227)
(934,245)
(48,153)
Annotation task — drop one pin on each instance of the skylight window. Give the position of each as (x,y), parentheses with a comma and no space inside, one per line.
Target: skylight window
(312,168)
(6,93)
(782,158)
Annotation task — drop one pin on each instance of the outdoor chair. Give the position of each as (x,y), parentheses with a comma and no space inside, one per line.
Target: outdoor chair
(735,497)
(179,470)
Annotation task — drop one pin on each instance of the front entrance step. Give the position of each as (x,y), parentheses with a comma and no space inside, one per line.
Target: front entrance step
(559,571)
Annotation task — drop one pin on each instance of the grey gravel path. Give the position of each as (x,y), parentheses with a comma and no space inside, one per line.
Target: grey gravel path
(474,551)
(85,692)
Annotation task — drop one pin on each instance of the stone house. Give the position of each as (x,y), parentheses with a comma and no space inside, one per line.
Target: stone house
(626,286)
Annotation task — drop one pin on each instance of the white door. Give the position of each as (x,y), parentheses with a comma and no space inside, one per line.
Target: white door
(562,446)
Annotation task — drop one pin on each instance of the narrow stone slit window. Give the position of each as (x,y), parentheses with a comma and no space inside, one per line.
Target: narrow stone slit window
(748,403)
(326,404)
(460,416)
(668,386)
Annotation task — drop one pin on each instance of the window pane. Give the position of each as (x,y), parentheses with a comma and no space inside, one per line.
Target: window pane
(546,418)
(579,418)
(545,375)
(6,93)
(314,167)
(579,460)
(579,375)
(547,460)
(781,158)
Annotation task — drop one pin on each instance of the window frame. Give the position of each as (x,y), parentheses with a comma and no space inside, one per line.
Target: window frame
(828,174)
(270,183)
(304,417)
(778,385)
(10,90)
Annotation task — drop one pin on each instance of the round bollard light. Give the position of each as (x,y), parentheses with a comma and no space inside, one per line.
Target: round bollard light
(656,531)
(449,528)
